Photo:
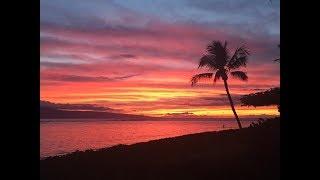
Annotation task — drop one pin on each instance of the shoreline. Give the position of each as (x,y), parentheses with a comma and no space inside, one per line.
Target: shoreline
(220,125)
(249,153)
(142,142)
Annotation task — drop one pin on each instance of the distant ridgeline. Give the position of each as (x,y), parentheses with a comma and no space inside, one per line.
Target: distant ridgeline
(50,110)
(265,98)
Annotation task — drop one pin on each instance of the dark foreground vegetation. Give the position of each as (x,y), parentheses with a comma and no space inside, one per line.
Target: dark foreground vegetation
(249,153)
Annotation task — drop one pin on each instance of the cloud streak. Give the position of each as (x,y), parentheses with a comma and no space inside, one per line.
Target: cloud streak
(141,58)
(76,78)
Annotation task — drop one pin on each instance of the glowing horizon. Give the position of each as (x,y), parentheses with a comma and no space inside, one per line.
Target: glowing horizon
(140,60)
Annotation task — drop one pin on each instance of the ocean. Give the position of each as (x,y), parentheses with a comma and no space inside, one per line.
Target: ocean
(60,137)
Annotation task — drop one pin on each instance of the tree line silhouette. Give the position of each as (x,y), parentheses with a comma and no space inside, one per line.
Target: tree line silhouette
(264,98)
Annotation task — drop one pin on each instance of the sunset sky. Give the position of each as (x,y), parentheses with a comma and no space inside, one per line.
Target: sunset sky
(137,56)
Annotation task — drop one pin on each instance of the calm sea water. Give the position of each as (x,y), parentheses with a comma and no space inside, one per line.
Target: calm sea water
(63,137)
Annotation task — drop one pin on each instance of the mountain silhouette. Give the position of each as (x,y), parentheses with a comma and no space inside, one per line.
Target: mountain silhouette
(50,110)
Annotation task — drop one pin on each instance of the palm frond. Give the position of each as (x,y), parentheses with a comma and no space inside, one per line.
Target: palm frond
(239,58)
(240,75)
(196,78)
(277,60)
(225,44)
(208,61)
(220,74)
(219,51)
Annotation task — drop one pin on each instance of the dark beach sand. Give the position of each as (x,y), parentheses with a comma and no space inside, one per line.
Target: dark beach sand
(250,153)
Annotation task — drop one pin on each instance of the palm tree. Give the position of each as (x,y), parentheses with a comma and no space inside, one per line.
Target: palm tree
(218,60)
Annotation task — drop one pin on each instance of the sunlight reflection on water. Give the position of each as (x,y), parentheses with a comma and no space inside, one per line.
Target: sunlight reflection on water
(64,137)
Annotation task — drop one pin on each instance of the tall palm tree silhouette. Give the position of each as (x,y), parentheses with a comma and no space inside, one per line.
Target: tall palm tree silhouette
(218,60)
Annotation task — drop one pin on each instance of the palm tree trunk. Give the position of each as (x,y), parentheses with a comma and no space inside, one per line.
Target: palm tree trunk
(231,103)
